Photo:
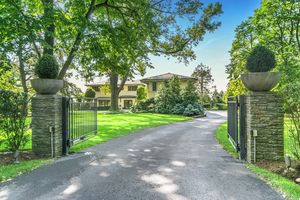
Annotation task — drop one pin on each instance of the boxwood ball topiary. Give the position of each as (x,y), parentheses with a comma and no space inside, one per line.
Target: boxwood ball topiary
(47,67)
(260,59)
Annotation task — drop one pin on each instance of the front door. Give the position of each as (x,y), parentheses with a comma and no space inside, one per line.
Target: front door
(127,104)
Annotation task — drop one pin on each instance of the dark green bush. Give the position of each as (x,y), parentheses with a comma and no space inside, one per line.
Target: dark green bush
(260,59)
(90,93)
(144,106)
(178,109)
(47,67)
(194,110)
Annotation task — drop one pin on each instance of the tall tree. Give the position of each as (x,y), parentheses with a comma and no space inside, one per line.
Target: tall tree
(204,78)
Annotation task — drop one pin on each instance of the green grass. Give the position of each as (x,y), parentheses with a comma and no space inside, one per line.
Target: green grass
(290,189)
(221,136)
(13,170)
(116,125)
(284,185)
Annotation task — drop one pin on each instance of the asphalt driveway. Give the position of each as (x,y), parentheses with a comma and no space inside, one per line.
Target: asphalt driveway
(177,162)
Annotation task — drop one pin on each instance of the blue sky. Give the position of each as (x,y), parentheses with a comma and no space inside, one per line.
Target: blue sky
(213,50)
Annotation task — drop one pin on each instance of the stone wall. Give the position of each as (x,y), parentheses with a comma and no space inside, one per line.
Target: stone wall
(264,113)
(46,113)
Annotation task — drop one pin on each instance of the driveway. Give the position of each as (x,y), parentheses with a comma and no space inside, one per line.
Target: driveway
(178,162)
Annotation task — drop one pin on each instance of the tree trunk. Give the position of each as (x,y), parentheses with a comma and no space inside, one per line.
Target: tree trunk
(50,28)
(114,91)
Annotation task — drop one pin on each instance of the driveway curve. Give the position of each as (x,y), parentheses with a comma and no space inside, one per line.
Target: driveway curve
(181,161)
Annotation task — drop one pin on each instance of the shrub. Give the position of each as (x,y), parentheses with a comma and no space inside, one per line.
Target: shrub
(178,109)
(190,94)
(169,96)
(47,67)
(260,59)
(193,110)
(90,93)
(144,106)
(141,93)
(13,114)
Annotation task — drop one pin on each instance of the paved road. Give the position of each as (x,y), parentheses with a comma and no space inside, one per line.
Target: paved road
(177,162)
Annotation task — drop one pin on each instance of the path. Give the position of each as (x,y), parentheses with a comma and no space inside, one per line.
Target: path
(177,162)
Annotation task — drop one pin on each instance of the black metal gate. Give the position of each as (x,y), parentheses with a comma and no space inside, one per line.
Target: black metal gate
(236,124)
(79,120)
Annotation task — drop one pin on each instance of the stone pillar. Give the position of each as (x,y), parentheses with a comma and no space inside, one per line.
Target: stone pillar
(264,113)
(47,122)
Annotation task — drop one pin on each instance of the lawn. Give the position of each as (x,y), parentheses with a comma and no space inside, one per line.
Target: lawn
(13,170)
(284,185)
(110,126)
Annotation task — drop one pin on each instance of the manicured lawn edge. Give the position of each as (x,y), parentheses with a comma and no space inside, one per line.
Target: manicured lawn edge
(222,138)
(8,172)
(288,188)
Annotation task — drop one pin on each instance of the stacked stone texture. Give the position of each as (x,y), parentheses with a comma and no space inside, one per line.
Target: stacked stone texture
(46,112)
(265,114)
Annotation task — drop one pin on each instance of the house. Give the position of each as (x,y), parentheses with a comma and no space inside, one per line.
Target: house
(128,94)
(154,83)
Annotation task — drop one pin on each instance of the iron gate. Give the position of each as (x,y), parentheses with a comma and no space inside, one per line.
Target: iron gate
(79,120)
(236,124)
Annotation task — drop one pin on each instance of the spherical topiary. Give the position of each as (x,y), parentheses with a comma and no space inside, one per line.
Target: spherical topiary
(47,67)
(260,59)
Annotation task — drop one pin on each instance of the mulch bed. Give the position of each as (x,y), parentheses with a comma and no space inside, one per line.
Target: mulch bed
(280,168)
(7,158)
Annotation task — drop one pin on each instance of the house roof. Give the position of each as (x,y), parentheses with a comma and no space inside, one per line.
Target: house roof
(137,82)
(167,76)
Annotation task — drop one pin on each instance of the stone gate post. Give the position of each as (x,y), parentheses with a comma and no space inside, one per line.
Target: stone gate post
(264,126)
(47,125)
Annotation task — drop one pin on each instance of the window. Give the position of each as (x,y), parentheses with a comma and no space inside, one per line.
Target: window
(104,103)
(154,86)
(132,88)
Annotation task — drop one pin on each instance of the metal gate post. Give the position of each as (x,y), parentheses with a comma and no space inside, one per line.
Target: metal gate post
(242,128)
(65,125)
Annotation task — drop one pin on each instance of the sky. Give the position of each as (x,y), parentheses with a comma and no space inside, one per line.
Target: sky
(213,50)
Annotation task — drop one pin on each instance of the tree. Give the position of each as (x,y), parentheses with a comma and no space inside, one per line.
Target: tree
(90,93)
(13,114)
(204,78)
(70,28)
(124,52)
(169,95)
(190,94)
(141,93)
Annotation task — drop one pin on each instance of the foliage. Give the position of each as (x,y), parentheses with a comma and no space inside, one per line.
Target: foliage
(260,59)
(13,113)
(169,96)
(193,110)
(71,90)
(124,124)
(204,78)
(141,93)
(275,25)
(146,105)
(190,94)
(90,93)
(178,109)
(292,106)
(47,67)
